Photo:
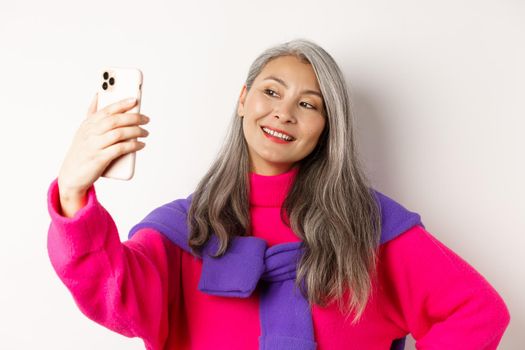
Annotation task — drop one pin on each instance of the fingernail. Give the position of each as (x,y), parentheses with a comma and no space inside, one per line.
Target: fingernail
(131,100)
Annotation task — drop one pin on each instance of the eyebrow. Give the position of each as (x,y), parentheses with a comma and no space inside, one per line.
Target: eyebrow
(280,81)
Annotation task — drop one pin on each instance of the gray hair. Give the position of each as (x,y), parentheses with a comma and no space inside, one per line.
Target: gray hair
(330,206)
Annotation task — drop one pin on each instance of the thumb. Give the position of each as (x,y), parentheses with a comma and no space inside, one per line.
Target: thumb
(93,106)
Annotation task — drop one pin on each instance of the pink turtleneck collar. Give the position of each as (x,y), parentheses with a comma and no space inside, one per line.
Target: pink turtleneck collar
(271,190)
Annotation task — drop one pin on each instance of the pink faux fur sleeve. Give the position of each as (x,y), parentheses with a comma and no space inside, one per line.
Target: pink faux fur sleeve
(439,298)
(122,286)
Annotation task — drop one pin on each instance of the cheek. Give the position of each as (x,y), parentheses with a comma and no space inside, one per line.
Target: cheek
(316,131)
(258,105)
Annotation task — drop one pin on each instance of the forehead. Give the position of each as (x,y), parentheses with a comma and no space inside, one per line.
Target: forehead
(292,70)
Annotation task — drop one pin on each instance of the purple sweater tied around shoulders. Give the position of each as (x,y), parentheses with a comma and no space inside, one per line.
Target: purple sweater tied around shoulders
(248,260)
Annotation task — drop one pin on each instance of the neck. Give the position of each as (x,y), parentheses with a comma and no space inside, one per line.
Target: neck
(271,190)
(272,171)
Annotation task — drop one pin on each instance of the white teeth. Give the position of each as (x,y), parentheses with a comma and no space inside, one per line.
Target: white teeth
(277,134)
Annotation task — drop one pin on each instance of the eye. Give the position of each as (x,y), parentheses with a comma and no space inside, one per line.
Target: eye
(269,92)
(311,107)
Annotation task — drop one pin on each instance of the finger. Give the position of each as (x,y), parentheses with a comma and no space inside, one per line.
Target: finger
(122,134)
(128,118)
(116,150)
(119,120)
(118,107)
(93,106)
(144,119)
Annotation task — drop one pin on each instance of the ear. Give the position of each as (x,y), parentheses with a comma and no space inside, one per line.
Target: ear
(242,98)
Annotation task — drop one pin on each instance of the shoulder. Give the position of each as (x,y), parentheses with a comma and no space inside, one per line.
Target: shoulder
(179,205)
(170,219)
(420,253)
(395,218)
(149,239)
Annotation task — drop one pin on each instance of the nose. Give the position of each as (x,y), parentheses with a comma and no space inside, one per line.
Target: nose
(285,111)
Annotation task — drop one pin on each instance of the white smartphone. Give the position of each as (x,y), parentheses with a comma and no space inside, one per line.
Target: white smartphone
(115,84)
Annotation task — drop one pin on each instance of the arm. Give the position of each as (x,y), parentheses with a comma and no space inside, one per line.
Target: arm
(125,287)
(443,301)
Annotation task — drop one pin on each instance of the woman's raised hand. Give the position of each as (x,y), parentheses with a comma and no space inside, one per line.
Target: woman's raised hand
(103,136)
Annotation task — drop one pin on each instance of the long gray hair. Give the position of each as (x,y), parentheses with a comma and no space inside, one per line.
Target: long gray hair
(330,206)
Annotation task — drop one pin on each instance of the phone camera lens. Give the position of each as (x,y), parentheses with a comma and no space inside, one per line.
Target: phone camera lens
(106,75)
(105,86)
(111,81)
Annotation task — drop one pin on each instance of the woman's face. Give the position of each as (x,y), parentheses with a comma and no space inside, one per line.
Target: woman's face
(284,97)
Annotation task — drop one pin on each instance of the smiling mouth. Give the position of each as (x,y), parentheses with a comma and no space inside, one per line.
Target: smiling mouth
(275,134)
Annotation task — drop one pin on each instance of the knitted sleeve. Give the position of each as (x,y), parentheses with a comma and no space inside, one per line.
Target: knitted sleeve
(440,299)
(126,287)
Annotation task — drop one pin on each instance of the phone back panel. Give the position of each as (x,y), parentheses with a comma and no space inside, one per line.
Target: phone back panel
(115,84)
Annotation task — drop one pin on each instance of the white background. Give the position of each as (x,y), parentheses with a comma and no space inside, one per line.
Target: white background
(438,89)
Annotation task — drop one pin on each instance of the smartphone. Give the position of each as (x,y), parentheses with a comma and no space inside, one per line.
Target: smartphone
(115,84)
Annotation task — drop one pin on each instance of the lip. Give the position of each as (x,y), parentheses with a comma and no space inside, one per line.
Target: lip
(278,130)
(275,139)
